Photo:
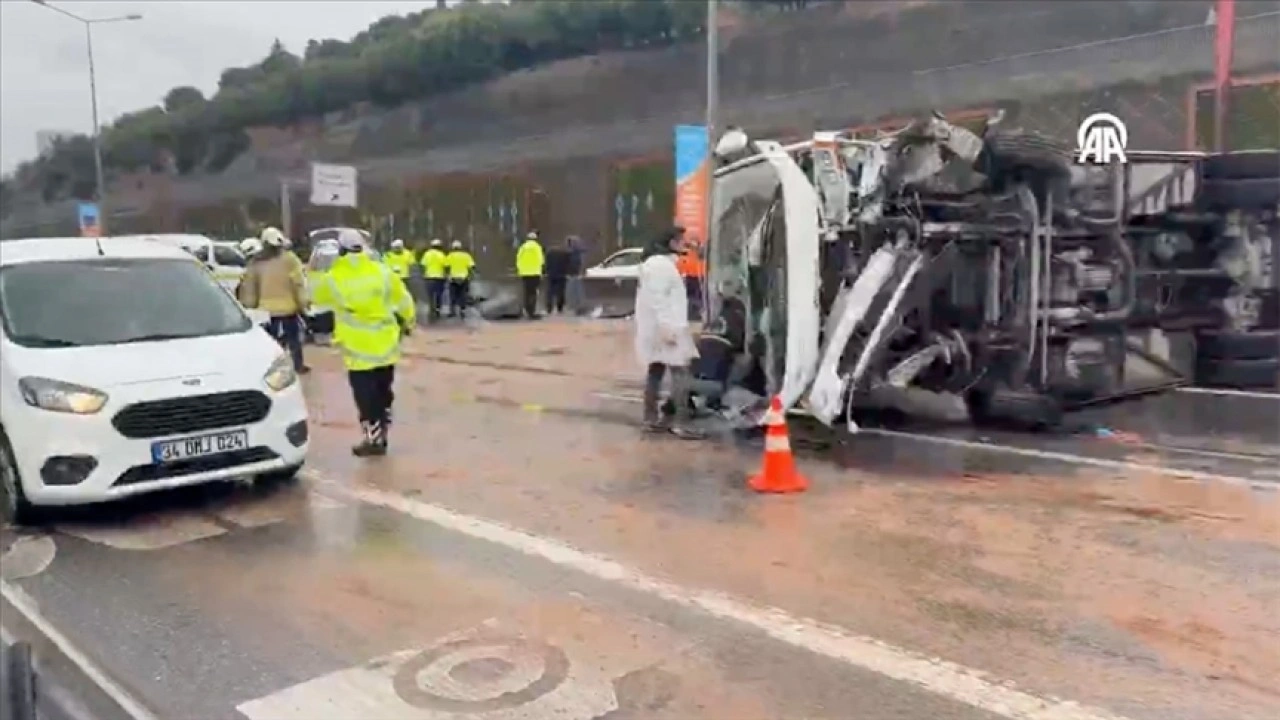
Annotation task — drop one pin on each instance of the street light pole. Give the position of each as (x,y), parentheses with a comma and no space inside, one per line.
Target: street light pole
(100,182)
(713,109)
(713,68)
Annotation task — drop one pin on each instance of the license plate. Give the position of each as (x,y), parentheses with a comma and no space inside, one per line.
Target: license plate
(199,446)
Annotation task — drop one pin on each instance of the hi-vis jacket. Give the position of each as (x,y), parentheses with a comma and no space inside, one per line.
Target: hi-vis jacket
(433,264)
(400,261)
(460,264)
(370,305)
(529,259)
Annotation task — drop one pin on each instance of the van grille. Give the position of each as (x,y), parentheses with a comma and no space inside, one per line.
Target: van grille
(194,413)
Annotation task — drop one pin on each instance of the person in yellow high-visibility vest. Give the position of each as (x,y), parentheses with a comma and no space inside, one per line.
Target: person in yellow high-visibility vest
(460,264)
(372,311)
(529,263)
(399,259)
(434,269)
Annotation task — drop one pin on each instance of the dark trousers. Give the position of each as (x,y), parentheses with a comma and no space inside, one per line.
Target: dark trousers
(680,387)
(529,291)
(459,295)
(372,390)
(287,330)
(555,293)
(435,295)
(693,291)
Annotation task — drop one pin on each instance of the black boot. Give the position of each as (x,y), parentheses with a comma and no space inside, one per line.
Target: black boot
(369,446)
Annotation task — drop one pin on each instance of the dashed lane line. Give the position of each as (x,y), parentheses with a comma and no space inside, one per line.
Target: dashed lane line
(1226,392)
(18,601)
(934,675)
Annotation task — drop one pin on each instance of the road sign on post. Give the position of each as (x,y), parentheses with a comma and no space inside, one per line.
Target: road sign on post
(90,225)
(333,185)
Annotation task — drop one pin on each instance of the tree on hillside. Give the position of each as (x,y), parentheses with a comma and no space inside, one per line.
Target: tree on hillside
(321,49)
(396,59)
(181,98)
(279,60)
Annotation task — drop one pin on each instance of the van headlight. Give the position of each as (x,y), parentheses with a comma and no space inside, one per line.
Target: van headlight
(59,396)
(280,375)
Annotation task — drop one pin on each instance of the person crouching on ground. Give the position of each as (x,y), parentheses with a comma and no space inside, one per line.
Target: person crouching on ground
(273,282)
(663,341)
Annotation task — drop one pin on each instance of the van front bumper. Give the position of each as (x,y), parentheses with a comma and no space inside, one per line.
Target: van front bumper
(71,460)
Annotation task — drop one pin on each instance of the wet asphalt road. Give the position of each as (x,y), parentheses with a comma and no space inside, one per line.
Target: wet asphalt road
(356,594)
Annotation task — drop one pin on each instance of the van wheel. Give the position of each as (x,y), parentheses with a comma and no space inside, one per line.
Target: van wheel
(15,509)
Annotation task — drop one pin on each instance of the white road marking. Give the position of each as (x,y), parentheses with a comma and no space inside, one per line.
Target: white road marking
(27,556)
(24,605)
(252,513)
(1070,458)
(1123,465)
(1257,394)
(162,531)
(938,676)
(539,680)
(166,529)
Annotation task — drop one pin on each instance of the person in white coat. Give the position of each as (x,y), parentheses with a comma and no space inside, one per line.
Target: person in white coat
(663,343)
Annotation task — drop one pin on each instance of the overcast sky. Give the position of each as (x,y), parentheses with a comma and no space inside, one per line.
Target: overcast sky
(44,71)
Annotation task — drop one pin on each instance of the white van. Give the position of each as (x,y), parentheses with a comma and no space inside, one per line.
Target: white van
(223,259)
(125,369)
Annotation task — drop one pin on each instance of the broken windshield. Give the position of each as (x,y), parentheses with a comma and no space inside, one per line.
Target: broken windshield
(741,201)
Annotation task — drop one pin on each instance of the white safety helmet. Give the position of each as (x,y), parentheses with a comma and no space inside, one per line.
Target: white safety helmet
(437,243)
(250,246)
(456,245)
(398,244)
(533,235)
(272,237)
(350,239)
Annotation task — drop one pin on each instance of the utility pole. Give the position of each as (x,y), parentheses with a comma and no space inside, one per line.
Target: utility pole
(100,183)
(286,210)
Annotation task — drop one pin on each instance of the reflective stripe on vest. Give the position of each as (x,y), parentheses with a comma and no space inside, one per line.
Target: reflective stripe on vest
(363,283)
(362,333)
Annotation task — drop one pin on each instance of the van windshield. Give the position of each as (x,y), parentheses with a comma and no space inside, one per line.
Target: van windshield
(108,302)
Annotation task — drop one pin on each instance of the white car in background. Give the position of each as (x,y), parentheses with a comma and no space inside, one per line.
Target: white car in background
(623,264)
(138,374)
(223,259)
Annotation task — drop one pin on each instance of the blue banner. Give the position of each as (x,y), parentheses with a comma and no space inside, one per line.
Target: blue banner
(90,226)
(692,181)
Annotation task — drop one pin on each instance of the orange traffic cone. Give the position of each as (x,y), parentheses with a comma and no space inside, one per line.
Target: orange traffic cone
(778,475)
